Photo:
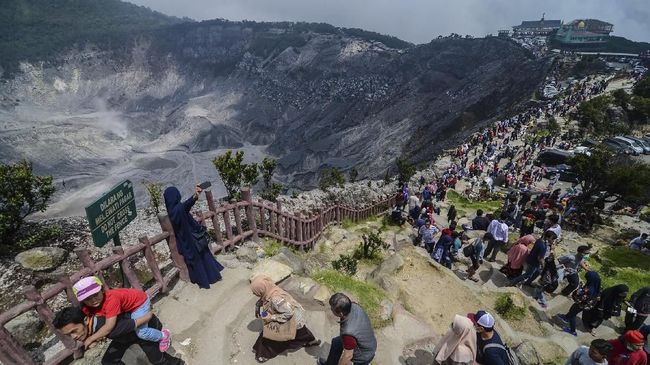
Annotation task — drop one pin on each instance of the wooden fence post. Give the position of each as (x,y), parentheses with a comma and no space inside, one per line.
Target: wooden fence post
(228,224)
(45,314)
(153,263)
(262,216)
(127,269)
(337,209)
(177,259)
(250,212)
(87,261)
(215,217)
(65,280)
(11,351)
(299,228)
(278,206)
(237,213)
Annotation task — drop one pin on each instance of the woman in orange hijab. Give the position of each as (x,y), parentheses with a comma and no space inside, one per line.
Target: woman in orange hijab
(276,305)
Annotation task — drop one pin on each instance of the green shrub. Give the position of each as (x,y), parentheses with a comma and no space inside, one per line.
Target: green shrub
(346,264)
(271,248)
(155,195)
(370,248)
(507,308)
(21,194)
(46,233)
(234,172)
(331,178)
(369,296)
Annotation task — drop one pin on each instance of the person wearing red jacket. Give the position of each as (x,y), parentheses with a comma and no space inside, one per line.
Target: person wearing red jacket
(628,350)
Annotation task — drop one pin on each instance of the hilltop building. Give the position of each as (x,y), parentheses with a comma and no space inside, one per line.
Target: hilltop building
(584,33)
(532,28)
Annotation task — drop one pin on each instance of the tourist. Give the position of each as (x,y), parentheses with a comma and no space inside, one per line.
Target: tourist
(72,321)
(451,214)
(628,349)
(490,348)
(517,255)
(474,251)
(201,264)
(585,298)
(357,343)
(573,264)
(113,302)
(458,346)
(639,243)
(442,250)
(277,306)
(499,230)
(595,354)
(427,232)
(535,259)
(548,280)
(639,309)
(480,222)
(611,301)
(553,224)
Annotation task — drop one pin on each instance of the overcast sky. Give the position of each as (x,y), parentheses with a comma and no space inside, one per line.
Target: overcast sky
(419,21)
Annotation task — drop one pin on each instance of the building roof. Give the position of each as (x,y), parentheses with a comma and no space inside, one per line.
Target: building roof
(590,23)
(539,24)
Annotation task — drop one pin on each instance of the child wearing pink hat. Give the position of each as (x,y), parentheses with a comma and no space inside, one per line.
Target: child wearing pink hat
(113,302)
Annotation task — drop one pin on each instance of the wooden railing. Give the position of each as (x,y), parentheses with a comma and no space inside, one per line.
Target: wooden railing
(261,218)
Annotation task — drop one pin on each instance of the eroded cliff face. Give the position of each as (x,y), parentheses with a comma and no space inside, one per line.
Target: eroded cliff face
(159,109)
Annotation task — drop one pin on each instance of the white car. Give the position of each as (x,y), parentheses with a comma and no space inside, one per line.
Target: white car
(628,142)
(582,150)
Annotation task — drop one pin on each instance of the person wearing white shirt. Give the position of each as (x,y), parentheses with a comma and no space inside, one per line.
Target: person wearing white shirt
(499,230)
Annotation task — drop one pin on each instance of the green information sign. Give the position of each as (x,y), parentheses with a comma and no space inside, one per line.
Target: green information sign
(111,213)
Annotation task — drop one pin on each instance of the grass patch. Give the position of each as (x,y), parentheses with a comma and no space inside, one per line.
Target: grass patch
(368,295)
(271,247)
(467,207)
(622,265)
(507,308)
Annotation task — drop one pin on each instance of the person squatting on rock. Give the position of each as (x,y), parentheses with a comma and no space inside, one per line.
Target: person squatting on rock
(113,302)
(72,321)
(278,308)
(357,343)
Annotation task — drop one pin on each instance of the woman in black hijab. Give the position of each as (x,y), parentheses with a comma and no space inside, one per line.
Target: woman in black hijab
(202,266)
(609,306)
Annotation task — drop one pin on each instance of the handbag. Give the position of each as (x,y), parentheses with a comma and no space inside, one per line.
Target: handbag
(200,237)
(276,331)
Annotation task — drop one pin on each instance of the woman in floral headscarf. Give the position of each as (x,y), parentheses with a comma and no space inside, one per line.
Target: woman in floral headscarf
(276,305)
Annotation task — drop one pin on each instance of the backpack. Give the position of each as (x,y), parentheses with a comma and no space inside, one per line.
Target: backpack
(468,250)
(512,357)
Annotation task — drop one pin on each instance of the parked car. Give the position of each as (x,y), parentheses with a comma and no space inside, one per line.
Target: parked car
(564,170)
(618,147)
(583,150)
(645,145)
(552,157)
(589,143)
(630,143)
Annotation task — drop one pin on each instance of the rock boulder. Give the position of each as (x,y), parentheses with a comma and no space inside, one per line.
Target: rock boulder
(246,254)
(275,270)
(41,258)
(26,328)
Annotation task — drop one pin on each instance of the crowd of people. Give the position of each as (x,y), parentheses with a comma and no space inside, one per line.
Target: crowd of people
(531,210)
(536,213)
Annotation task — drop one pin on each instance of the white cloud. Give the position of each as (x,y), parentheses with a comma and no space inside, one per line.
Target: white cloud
(419,21)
